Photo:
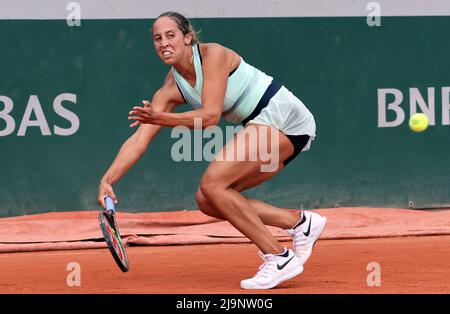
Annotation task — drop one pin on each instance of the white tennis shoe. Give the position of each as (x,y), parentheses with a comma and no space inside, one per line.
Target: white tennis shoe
(306,234)
(274,270)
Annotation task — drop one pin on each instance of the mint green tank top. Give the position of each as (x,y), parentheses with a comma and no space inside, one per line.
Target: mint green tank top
(245,87)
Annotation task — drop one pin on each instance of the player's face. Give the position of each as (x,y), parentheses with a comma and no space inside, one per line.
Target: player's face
(169,40)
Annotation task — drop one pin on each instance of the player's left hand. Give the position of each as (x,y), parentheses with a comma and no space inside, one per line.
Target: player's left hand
(142,114)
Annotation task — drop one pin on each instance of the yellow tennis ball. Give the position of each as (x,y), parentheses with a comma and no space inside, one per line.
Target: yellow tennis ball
(418,122)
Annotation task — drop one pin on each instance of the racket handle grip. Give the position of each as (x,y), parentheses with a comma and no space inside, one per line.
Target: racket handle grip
(109,203)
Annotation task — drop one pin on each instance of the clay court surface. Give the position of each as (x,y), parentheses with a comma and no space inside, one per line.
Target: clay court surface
(408,265)
(189,253)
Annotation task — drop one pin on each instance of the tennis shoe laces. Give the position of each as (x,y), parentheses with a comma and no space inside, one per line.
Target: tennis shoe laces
(306,233)
(275,270)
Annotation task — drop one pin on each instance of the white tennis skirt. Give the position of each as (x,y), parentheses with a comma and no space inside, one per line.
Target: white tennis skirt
(288,114)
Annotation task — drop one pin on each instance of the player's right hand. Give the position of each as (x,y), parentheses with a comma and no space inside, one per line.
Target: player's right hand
(105,189)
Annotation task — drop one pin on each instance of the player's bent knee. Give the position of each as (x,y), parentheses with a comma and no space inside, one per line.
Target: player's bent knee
(210,189)
(205,206)
(201,200)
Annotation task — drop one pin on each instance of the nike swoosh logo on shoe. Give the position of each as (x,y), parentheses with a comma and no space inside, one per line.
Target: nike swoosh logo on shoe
(309,228)
(280,267)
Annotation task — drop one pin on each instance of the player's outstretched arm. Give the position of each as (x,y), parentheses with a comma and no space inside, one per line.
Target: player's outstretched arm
(164,100)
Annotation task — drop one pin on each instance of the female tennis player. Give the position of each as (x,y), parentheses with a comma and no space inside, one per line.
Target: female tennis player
(217,82)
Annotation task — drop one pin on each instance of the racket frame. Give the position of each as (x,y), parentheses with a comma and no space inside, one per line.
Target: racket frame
(110,231)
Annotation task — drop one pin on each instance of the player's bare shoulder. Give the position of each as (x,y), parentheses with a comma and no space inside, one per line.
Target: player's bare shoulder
(214,49)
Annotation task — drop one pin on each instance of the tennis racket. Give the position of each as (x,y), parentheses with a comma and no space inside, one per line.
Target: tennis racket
(111,234)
